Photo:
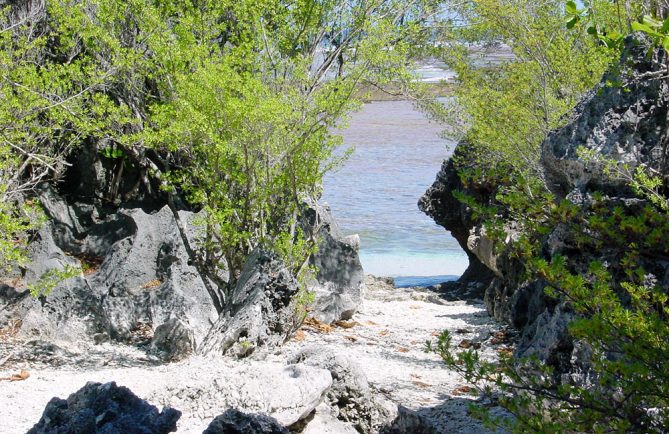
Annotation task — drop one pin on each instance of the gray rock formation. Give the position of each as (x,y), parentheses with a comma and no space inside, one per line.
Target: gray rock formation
(440,204)
(236,422)
(136,274)
(627,124)
(351,399)
(288,394)
(262,310)
(105,408)
(340,275)
(324,421)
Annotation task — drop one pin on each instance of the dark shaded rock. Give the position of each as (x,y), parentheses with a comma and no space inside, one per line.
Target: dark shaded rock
(340,275)
(83,228)
(236,422)
(261,312)
(104,408)
(440,204)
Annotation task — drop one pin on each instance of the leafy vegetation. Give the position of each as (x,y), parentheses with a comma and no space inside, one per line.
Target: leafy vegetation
(228,104)
(505,110)
(608,278)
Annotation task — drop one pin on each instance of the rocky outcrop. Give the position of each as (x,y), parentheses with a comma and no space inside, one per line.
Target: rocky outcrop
(625,123)
(439,203)
(339,279)
(136,275)
(351,399)
(262,310)
(105,408)
(236,422)
(138,284)
(288,394)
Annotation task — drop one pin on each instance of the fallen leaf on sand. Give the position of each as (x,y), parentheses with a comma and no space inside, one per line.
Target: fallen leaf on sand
(415,306)
(151,284)
(461,390)
(351,338)
(402,350)
(384,332)
(421,384)
(371,323)
(300,336)
(505,351)
(466,343)
(346,324)
(436,334)
(317,325)
(499,338)
(17,377)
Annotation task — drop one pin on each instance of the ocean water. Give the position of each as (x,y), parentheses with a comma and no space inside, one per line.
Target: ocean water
(398,153)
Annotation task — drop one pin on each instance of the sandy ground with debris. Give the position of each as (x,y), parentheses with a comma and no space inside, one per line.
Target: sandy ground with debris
(386,337)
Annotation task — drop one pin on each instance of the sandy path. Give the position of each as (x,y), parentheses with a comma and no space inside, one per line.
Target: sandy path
(387,339)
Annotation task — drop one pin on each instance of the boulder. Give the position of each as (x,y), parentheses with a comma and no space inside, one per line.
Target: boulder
(105,408)
(324,421)
(236,422)
(173,341)
(338,283)
(626,124)
(262,310)
(286,393)
(352,400)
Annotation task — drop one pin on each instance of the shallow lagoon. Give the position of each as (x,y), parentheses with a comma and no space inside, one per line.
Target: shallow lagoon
(398,153)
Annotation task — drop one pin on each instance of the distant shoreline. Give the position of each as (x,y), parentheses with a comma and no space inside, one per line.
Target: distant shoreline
(374,94)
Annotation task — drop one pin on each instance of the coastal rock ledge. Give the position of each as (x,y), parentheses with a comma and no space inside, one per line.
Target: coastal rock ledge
(625,124)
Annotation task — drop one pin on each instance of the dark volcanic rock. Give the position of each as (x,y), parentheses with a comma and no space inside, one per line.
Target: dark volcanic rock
(261,312)
(236,422)
(104,408)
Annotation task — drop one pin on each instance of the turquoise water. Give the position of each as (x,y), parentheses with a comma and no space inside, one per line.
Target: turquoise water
(397,156)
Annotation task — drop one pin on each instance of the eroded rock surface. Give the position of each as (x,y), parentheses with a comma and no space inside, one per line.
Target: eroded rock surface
(105,408)
(237,422)
(262,311)
(627,124)
(340,275)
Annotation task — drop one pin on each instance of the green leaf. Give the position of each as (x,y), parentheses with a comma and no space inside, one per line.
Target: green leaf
(665,26)
(651,22)
(570,8)
(665,43)
(592,30)
(640,27)
(572,22)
